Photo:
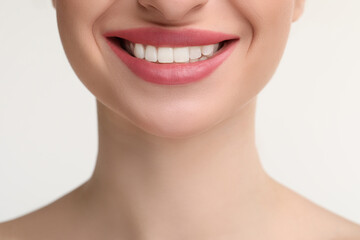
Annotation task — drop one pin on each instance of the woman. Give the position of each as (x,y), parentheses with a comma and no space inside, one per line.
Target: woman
(176,84)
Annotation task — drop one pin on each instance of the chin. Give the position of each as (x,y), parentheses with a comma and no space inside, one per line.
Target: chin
(175,124)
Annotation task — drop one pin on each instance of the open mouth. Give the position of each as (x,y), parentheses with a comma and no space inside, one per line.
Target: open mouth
(171,57)
(168,54)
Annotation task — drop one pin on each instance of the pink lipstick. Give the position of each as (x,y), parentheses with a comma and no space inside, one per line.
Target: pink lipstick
(170,73)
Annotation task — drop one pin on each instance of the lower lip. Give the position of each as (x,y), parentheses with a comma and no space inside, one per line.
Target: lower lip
(173,73)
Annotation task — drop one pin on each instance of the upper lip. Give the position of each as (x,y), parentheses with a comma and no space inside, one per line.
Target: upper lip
(165,37)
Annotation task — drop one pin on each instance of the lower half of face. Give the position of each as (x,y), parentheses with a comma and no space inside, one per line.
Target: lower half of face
(174,110)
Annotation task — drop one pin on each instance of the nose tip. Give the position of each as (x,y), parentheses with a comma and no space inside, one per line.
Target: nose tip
(171,10)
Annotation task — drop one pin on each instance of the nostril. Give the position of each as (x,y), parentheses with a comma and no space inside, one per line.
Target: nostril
(144,5)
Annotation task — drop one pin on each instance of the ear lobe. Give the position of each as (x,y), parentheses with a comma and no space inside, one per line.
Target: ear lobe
(298,9)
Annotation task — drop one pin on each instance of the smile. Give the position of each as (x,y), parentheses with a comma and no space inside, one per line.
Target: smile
(168,54)
(171,56)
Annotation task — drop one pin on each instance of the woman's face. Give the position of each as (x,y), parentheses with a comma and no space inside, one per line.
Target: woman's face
(182,110)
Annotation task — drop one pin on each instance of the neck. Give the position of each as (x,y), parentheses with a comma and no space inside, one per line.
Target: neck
(203,186)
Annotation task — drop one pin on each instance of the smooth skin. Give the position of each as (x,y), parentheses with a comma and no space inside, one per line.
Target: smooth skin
(178,162)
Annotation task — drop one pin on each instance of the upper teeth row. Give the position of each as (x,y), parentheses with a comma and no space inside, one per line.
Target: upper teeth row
(170,55)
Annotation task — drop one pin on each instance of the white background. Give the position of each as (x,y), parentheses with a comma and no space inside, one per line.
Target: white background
(308,116)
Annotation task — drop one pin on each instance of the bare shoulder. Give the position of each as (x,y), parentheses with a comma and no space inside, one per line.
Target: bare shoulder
(311,221)
(339,228)
(7,230)
(41,223)
(26,226)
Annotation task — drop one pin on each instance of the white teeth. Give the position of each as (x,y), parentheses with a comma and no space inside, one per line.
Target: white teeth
(172,55)
(165,55)
(208,50)
(139,50)
(195,52)
(216,47)
(151,53)
(181,55)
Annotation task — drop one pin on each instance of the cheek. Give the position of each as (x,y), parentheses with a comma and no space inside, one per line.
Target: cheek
(270,22)
(271,28)
(76,20)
